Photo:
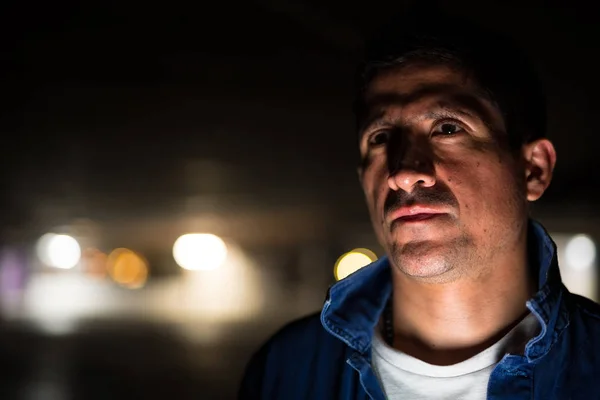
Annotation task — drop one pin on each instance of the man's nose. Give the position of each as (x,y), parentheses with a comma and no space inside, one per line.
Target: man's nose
(408,179)
(410,166)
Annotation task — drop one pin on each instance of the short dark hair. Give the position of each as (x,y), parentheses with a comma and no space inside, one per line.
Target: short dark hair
(495,62)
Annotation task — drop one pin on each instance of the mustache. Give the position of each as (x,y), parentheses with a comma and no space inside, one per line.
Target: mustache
(422,196)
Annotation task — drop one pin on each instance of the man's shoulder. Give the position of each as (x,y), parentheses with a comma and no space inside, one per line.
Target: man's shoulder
(304,341)
(299,355)
(584,324)
(303,334)
(588,310)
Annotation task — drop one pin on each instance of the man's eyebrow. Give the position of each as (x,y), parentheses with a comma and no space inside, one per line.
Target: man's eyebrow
(440,111)
(458,105)
(445,111)
(377,120)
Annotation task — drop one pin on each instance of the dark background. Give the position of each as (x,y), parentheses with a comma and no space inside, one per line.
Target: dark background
(137,117)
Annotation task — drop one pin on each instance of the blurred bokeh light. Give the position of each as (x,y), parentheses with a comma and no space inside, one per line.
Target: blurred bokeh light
(577,263)
(199,251)
(580,252)
(94,262)
(352,261)
(58,251)
(127,268)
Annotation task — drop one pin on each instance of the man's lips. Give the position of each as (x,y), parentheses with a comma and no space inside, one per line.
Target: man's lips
(414,213)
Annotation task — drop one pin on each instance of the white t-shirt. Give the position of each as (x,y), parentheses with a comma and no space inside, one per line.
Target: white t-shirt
(405,377)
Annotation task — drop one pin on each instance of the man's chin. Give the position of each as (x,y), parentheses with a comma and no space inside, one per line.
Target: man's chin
(430,269)
(424,259)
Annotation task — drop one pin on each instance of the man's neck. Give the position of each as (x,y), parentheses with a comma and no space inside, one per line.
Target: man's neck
(448,323)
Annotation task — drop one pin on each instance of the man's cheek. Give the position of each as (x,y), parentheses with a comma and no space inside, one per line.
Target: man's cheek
(457,172)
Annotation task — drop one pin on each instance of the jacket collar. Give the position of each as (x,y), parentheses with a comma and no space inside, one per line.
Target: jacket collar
(548,304)
(354,304)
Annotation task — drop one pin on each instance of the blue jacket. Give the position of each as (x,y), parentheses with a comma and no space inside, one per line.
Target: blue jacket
(330,357)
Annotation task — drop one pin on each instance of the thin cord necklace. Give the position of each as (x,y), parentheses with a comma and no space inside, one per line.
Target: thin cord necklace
(388,325)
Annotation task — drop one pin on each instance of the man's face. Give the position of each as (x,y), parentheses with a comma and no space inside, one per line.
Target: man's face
(444,191)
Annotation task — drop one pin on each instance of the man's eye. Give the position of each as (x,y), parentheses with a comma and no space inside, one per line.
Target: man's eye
(447,129)
(379,138)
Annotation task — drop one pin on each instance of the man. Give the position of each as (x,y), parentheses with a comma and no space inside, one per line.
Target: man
(468,304)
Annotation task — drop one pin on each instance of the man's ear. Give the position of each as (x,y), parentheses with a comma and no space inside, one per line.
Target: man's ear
(540,158)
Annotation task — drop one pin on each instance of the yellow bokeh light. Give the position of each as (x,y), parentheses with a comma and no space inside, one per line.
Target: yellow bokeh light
(127,268)
(352,261)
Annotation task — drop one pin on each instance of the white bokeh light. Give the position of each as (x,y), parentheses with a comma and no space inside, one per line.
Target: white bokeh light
(580,252)
(58,251)
(199,251)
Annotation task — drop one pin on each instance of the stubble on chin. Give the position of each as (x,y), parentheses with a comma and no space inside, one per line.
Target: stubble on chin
(433,262)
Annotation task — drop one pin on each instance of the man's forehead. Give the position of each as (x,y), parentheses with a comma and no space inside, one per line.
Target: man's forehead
(425,101)
(432,88)
(408,78)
